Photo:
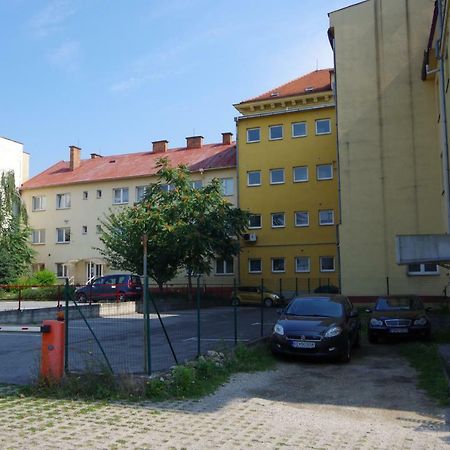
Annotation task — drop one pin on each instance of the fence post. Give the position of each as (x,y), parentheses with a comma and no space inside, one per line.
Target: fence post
(58,294)
(20,297)
(235,311)
(296,286)
(387,286)
(309,285)
(147,336)
(281,287)
(198,316)
(66,326)
(262,307)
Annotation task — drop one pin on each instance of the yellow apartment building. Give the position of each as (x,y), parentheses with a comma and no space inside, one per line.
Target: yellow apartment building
(391,178)
(287,180)
(66,201)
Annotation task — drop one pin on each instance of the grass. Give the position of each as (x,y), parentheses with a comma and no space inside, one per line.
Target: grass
(192,380)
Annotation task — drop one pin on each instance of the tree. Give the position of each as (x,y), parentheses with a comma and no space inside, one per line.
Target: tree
(186,228)
(15,253)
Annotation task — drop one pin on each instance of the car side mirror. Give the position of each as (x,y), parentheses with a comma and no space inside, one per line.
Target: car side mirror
(368,310)
(353,313)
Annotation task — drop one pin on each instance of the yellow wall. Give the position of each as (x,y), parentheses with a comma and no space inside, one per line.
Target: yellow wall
(312,196)
(388,143)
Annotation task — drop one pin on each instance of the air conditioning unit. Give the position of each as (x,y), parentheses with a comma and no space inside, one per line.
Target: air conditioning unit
(250,237)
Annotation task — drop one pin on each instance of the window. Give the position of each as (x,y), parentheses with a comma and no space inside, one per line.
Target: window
(276,176)
(278,265)
(98,229)
(38,237)
(299,129)
(278,220)
(254,221)
(324,172)
(300,174)
(85,195)
(37,267)
(423,269)
(275,132)
(196,184)
(327,263)
(120,196)
(254,265)
(99,193)
(301,218)
(84,229)
(302,264)
(224,266)
(326,217)
(61,270)
(227,186)
(140,193)
(254,178)
(38,203)
(166,187)
(253,135)
(62,201)
(63,235)
(323,126)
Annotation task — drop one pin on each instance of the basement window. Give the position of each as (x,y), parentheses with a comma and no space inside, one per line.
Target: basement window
(423,269)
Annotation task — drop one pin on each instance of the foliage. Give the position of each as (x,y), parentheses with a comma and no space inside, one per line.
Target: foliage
(41,278)
(186,227)
(42,293)
(15,253)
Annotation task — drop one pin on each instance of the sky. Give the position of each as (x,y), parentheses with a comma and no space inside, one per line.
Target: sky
(113,76)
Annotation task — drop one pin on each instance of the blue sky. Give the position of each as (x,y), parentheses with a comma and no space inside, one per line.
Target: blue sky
(112,76)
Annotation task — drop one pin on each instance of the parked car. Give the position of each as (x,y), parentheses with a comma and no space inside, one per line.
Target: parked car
(252,294)
(317,325)
(119,287)
(398,315)
(326,289)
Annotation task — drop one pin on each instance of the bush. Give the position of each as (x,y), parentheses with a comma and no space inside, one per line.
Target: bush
(43,278)
(42,293)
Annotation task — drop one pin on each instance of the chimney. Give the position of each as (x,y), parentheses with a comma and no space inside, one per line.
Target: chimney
(160,146)
(75,160)
(227,138)
(194,141)
(95,155)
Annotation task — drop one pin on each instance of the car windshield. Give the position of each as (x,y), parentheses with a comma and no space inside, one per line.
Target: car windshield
(315,307)
(398,304)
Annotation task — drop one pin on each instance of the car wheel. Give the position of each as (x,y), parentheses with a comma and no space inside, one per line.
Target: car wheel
(81,298)
(268,303)
(121,297)
(347,353)
(373,339)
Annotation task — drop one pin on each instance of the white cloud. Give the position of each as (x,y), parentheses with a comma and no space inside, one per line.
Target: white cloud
(66,56)
(52,17)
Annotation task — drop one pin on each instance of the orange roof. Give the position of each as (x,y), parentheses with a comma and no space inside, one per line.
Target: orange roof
(317,81)
(209,156)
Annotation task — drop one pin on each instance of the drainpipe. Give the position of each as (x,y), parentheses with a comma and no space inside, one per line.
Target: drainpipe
(443,107)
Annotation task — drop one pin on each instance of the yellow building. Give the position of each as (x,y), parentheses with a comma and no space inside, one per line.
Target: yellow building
(287,179)
(66,201)
(388,145)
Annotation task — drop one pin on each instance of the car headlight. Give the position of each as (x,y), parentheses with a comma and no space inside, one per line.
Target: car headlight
(276,297)
(278,329)
(333,331)
(422,321)
(376,323)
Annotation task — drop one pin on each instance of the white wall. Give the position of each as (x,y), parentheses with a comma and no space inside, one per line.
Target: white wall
(12,157)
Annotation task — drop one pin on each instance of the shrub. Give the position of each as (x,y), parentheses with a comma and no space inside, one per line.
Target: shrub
(43,278)
(41,293)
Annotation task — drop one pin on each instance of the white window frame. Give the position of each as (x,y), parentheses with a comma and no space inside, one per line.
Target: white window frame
(38,236)
(248,177)
(324,165)
(64,268)
(326,211)
(255,140)
(260,222)
(301,224)
(65,230)
(271,127)
(323,120)
(306,258)
(294,177)
(99,193)
(321,258)
(85,195)
(284,264)
(122,191)
(226,264)
(195,182)
(38,203)
(277,182)
(249,265)
(284,220)
(224,183)
(422,271)
(299,135)
(139,197)
(63,200)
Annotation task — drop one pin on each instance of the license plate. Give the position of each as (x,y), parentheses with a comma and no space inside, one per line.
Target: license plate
(398,330)
(301,344)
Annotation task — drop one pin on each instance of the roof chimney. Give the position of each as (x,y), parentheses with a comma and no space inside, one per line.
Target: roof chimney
(95,155)
(194,141)
(227,138)
(160,146)
(75,160)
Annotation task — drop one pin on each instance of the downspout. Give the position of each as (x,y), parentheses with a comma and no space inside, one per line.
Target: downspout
(443,107)
(236,120)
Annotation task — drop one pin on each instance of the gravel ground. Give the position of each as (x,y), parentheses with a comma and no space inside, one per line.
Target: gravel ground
(371,403)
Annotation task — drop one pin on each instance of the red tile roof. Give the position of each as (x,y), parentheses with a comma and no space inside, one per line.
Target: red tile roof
(209,156)
(319,80)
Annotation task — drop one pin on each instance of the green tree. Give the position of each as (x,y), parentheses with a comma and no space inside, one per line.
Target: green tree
(15,253)
(186,228)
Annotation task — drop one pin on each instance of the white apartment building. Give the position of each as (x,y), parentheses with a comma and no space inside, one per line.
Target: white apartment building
(13,157)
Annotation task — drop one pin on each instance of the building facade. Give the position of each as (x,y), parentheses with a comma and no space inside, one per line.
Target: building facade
(287,180)
(66,202)
(13,157)
(388,145)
